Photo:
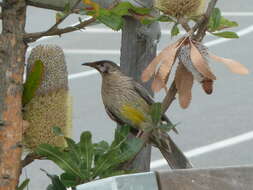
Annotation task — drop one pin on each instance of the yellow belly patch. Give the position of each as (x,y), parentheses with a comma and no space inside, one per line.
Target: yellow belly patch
(132,114)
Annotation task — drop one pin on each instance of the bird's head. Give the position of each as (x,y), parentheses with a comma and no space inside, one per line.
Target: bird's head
(104,66)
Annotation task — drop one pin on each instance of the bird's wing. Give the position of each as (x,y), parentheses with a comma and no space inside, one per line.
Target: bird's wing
(113,116)
(146,96)
(143,92)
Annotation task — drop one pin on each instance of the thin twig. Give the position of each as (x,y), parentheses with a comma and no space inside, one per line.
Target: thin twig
(29,159)
(31,37)
(170,96)
(202,24)
(64,17)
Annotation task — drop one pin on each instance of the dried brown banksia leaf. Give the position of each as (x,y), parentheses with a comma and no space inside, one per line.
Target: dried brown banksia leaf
(181,8)
(184,83)
(50,107)
(157,84)
(168,61)
(165,54)
(233,66)
(200,63)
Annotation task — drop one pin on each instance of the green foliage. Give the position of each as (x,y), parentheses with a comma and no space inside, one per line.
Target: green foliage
(174,30)
(66,11)
(86,161)
(57,131)
(226,34)
(218,22)
(161,18)
(33,81)
(56,182)
(24,184)
(113,17)
(156,112)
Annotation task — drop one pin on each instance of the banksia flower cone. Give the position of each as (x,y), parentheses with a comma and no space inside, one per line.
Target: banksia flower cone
(180,8)
(49,105)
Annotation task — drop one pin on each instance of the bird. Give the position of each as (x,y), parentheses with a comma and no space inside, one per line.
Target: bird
(127,102)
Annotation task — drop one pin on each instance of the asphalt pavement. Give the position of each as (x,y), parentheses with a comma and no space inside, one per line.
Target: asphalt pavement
(216,130)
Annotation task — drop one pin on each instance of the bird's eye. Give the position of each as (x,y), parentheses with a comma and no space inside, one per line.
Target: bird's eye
(103,68)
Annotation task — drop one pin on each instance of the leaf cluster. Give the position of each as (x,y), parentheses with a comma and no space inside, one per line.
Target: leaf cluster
(217,23)
(156,115)
(86,161)
(113,17)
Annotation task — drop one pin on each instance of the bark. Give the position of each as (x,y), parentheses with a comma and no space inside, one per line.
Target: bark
(12,58)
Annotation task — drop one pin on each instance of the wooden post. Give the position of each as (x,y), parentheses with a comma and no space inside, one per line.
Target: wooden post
(12,58)
(138,48)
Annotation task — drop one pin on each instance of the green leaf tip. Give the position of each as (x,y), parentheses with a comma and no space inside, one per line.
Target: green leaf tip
(226,34)
(156,112)
(33,81)
(23,185)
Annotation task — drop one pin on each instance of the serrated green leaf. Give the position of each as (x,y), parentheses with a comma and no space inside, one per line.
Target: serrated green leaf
(74,151)
(119,154)
(147,21)
(62,159)
(87,152)
(56,182)
(57,131)
(101,147)
(226,34)
(110,19)
(120,135)
(122,8)
(69,180)
(216,18)
(140,10)
(130,148)
(225,23)
(24,184)
(174,30)
(33,81)
(156,112)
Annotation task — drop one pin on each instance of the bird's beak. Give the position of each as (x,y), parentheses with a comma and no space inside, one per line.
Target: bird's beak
(90,64)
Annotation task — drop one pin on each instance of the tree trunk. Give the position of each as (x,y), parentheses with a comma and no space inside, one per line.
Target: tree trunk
(12,58)
(138,48)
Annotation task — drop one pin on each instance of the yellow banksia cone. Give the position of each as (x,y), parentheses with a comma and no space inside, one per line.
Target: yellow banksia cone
(181,8)
(50,106)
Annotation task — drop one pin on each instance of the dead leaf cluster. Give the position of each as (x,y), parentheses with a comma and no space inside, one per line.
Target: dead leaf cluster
(193,64)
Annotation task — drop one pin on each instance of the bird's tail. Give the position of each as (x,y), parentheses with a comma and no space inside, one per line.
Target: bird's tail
(173,155)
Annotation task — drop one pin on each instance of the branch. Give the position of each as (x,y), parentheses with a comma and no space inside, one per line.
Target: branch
(64,17)
(31,37)
(201,25)
(29,159)
(170,96)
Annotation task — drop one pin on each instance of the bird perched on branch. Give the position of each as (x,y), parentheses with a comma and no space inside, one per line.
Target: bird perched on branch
(128,102)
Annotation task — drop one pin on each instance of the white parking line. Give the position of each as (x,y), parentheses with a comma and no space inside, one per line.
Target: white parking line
(240,33)
(209,148)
